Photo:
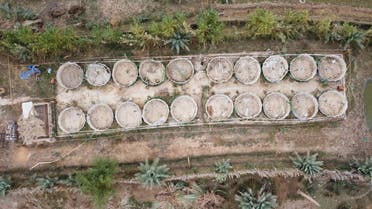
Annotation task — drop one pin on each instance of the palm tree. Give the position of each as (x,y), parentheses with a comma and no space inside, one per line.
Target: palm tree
(200,198)
(263,200)
(178,42)
(363,167)
(151,175)
(98,181)
(307,164)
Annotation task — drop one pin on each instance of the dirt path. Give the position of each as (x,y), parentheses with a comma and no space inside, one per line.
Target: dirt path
(233,12)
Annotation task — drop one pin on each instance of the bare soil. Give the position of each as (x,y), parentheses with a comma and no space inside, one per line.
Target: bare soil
(248,105)
(303,67)
(100,117)
(247,70)
(184,109)
(70,75)
(304,106)
(219,107)
(276,106)
(152,72)
(332,68)
(332,103)
(124,72)
(180,70)
(219,69)
(275,68)
(128,115)
(155,112)
(97,74)
(71,120)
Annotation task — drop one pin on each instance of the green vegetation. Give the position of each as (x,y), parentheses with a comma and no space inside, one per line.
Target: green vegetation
(16,13)
(197,197)
(98,181)
(47,183)
(210,29)
(295,24)
(363,167)
(105,34)
(322,30)
(307,164)
(263,24)
(263,200)
(178,42)
(5,186)
(349,36)
(151,175)
(222,167)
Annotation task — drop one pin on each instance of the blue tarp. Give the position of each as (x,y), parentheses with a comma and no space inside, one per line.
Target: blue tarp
(31,70)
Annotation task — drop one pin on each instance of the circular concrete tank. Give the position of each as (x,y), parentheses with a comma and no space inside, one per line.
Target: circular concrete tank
(247,70)
(248,105)
(304,106)
(71,120)
(100,117)
(128,115)
(276,106)
(303,67)
(332,103)
(97,74)
(332,68)
(275,68)
(184,109)
(219,107)
(180,70)
(152,72)
(124,73)
(70,75)
(155,112)
(220,70)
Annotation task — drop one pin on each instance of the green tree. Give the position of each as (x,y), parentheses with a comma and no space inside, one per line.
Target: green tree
(322,29)
(307,164)
(263,200)
(295,24)
(263,24)
(98,181)
(151,175)
(210,29)
(5,186)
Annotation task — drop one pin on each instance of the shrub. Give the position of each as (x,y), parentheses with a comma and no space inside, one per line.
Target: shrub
(263,200)
(17,13)
(210,29)
(141,38)
(98,181)
(5,186)
(105,35)
(47,183)
(307,164)
(322,29)
(223,166)
(178,42)
(295,24)
(151,175)
(197,197)
(168,26)
(263,23)
(363,167)
(349,36)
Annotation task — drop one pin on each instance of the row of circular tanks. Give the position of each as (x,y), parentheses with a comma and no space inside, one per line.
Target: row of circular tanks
(247,70)
(275,105)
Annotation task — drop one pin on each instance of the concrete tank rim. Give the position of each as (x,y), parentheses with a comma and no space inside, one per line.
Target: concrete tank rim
(258,74)
(114,68)
(231,67)
(89,112)
(343,111)
(225,97)
(343,66)
(59,122)
(312,74)
(254,96)
(315,102)
(284,73)
(146,105)
(117,112)
(105,67)
(288,110)
(194,104)
(175,60)
(60,69)
(151,60)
